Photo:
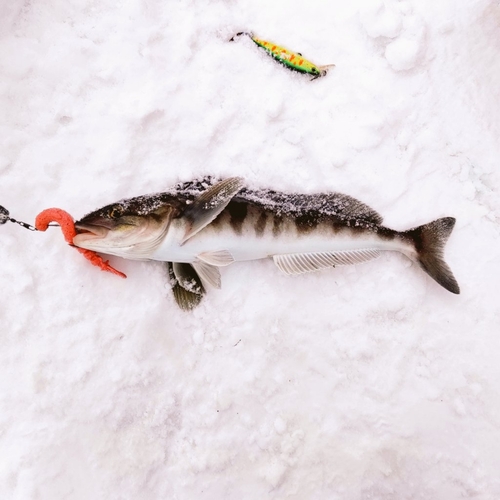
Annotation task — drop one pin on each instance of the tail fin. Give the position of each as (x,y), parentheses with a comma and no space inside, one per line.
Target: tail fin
(241,33)
(429,241)
(325,67)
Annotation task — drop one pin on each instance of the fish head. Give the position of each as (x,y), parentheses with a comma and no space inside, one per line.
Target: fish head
(129,229)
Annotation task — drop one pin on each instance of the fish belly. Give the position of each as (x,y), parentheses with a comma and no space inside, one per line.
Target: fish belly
(249,245)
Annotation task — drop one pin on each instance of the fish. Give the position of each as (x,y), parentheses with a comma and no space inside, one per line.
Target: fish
(201,226)
(292,60)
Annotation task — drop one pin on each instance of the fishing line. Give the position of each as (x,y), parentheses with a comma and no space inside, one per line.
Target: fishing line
(5,216)
(67,225)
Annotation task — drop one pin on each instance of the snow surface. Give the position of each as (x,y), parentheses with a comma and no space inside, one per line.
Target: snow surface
(363,382)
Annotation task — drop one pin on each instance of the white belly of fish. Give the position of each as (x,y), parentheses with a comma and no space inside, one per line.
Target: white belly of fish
(248,246)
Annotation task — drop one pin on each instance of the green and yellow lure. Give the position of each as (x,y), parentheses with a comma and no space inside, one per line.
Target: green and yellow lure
(292,60)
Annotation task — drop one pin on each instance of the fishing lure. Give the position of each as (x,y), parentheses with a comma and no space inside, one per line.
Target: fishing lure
(292,60)
(65,221)
(68,228)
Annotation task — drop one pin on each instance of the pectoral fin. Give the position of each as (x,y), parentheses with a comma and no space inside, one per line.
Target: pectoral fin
(298,263)
(210,204)
(186,285)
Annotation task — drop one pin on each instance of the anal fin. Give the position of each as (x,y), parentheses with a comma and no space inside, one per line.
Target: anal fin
(298,263)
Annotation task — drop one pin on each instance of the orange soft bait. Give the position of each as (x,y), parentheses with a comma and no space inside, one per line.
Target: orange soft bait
(42,221)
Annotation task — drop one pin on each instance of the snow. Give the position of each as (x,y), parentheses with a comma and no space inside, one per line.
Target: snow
(366,381)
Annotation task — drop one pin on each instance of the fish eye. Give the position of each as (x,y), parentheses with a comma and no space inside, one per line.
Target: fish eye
(115,212)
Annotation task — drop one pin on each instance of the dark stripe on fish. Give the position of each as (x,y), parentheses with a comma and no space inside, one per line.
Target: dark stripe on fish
(306,222)
(237,213)
(278,225)
(260,225)
(385,233)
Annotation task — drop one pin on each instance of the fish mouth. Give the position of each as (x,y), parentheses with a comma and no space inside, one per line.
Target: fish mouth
(94,225)
(90,230)
(87,232)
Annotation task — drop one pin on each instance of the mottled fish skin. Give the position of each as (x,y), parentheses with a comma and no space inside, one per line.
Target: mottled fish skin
(301,232)
(344,208)
(268,208)
(268,214)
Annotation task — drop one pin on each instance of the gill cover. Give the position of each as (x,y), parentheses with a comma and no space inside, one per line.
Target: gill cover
(117,230)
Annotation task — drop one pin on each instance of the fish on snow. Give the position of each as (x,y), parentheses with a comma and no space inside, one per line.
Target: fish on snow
(199,226)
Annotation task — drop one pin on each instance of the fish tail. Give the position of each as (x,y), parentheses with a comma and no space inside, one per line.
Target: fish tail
(325,67)
(430,240)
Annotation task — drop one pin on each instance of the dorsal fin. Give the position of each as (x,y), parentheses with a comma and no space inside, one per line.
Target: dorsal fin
(187,277)
(186,285)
